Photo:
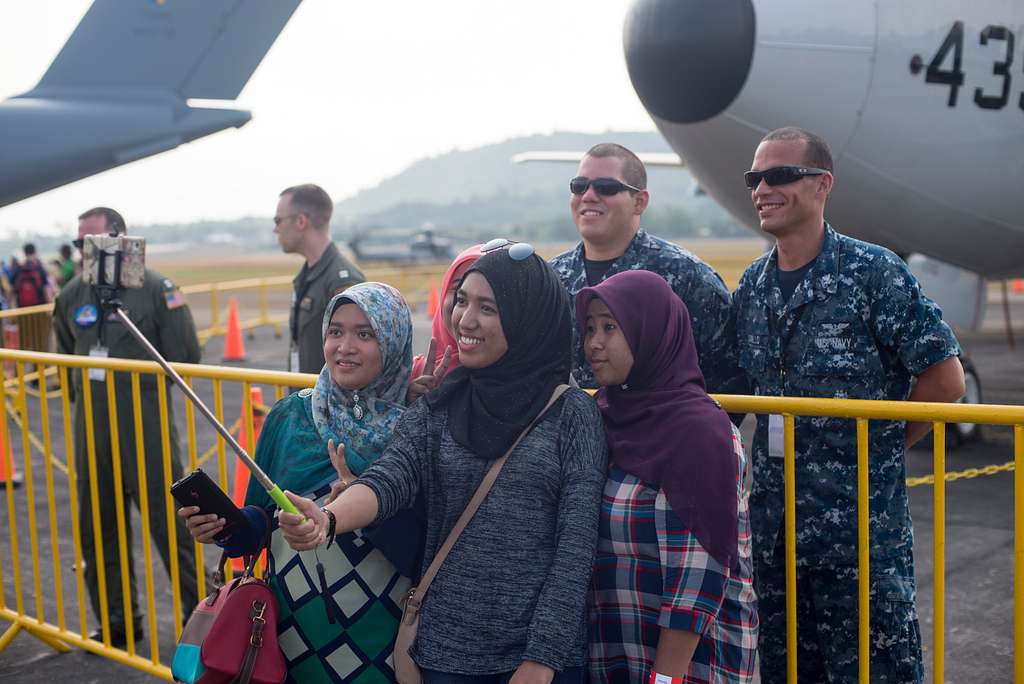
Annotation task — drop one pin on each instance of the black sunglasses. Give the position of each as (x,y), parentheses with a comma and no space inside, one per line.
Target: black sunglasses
(780,175)
(80,242)
(606,187)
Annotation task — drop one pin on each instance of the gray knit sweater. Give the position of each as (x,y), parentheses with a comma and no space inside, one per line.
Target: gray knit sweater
(514,586)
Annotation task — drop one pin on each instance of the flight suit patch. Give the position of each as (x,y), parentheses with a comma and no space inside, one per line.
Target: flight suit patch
(86,316)
(343,273)
(306,304)
(174,299)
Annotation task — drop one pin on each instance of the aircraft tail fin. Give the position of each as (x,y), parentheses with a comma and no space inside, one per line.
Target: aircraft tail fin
(204,49)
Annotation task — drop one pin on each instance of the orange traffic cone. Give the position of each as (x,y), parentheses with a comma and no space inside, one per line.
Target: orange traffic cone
(234,345)
(241,472)
(432,302)
(7,472)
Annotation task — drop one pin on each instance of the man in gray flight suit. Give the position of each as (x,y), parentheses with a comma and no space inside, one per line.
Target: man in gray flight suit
(824,315)
(158,309)
(302,226)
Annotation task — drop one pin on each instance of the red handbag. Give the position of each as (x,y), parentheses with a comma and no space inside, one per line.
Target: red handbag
(236,626)
(241,646)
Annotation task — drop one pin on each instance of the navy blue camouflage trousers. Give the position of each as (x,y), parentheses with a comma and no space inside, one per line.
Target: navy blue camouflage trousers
(826,616)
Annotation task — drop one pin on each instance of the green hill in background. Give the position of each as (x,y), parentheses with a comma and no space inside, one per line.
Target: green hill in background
(478,193)
(467,195)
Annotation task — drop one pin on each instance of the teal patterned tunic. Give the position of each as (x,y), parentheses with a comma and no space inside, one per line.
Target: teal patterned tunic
(365,587)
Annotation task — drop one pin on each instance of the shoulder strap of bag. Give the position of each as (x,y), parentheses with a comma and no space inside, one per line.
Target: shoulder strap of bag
(478,498)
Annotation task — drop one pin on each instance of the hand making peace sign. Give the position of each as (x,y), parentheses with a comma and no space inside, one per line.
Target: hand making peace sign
(345,476)
(432,377)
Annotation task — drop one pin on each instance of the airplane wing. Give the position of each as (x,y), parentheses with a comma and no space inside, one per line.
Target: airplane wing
(649,159)
(193,48)
(119,89)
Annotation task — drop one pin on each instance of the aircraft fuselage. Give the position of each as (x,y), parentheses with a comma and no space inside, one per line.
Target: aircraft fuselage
(921,102)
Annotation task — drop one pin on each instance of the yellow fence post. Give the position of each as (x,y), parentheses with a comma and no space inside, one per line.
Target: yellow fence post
(190,426)
(939,554)
(172,530)
(30,492)
(1018,554)
(147,553)
(214,311)
(122,533)
(94,496)
(65,385)
(51,506)
(863,554)
(789,478)
(264,313)
(222,463)
(12,521)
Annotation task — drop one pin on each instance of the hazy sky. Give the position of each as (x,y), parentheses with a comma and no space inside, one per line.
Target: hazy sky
(350,93)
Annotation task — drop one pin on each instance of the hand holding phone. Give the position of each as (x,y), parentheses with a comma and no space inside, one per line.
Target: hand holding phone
(197,489)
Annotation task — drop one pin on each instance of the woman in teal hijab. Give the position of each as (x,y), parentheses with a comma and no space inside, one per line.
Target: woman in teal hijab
(339,605)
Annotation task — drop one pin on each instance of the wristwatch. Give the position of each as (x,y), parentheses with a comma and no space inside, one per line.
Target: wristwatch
(332,524)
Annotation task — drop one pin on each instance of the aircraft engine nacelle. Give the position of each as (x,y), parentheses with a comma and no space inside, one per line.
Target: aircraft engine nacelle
(920,101)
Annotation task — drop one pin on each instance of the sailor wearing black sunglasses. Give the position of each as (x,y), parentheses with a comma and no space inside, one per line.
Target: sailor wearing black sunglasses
(607,198)
(824,315)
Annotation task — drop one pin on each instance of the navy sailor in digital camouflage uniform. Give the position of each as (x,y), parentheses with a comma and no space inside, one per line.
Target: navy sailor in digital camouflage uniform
(825,315)
(608,198)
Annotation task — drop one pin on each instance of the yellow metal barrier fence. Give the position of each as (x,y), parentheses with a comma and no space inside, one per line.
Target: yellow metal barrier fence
(863,412)
(54,629)
(40,605)
(414,283)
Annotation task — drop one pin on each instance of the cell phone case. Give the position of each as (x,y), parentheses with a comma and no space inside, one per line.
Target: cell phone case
(197,489)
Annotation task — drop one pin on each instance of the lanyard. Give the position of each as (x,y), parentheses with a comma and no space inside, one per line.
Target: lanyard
(784,340)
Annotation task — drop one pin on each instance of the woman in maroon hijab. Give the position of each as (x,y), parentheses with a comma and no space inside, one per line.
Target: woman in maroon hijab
(673,598)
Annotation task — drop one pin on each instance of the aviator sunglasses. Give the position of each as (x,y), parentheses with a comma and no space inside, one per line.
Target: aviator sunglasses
(517,251)
(780,175)
(606,187)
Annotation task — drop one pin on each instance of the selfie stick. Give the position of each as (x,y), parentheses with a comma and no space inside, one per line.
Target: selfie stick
(272,489)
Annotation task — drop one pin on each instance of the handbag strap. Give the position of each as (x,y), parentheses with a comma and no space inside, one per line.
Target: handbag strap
(250,560)
(416,597)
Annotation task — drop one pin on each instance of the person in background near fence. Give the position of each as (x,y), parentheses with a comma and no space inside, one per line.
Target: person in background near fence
(31,285)
(29,281)
(608,197)
(672,593)
(159,310)
(302,225)
(65,266)
(337,631)
(442,337)
(509,601)
(824,315)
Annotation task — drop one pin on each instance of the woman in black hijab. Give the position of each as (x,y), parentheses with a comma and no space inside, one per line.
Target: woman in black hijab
(509,602)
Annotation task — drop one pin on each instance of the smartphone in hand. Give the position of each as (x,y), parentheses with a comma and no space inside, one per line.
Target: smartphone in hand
(197,489)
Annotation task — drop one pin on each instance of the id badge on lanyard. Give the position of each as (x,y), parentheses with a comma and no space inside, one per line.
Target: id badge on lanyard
(776,431)
(99,352)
